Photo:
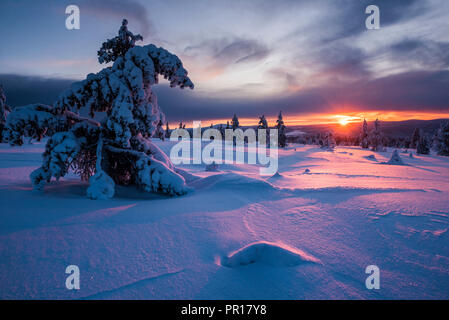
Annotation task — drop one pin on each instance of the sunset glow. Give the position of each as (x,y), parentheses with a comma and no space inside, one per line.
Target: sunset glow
(342,119)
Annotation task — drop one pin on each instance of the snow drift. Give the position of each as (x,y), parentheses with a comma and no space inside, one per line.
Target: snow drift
(268,253)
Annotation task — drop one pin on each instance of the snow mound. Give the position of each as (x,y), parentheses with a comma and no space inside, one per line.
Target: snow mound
(395,159)
(213,167)
(276,175)
(371,157)
(232,181)
(101,186)
(267,253)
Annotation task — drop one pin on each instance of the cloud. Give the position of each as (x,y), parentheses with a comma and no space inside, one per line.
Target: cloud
(225,51)
(426,53)
(412,91)
(22,90)
(129,9)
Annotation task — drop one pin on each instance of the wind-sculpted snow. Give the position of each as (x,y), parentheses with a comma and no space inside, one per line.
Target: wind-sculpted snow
(237,236)
(233,181)
(269,253)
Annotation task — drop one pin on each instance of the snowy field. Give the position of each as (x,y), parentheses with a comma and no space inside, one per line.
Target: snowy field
(304,234)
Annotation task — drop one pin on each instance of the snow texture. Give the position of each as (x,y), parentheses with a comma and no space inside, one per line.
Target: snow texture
(348,213)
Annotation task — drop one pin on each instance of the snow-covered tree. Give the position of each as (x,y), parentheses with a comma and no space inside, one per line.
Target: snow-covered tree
(443,139)
(36,121)
(167,130)
(4,111)
(395,159)
(415,138)
(328,141)
(282,138)
(423,146)
(375,138)
(263,124)
(364,137)
(235,122)
(118,148)
(117,47)
(160,131)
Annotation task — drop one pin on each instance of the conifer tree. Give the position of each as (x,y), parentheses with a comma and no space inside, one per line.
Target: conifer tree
(118,149)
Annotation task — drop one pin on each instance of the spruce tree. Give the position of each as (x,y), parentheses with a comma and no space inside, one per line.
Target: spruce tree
(443,139)
(375,138)
(423,146)
(415,138)
(282,138)
(263,124)
(235,122)
(364,137)
(118,149)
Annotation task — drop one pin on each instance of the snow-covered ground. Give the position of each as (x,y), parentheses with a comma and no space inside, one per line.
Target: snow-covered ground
(303,234)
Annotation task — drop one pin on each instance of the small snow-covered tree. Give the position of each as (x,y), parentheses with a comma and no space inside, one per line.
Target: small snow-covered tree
(118,148)
(415,138)
(329,141)
(167,130)
(263,124)
(364,136)
(4,111)
(443,139)
(235,122)
(160,131)
(282,138)
(423,146)
(375,138)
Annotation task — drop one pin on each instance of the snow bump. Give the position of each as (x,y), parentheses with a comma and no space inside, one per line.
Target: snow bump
(268,253)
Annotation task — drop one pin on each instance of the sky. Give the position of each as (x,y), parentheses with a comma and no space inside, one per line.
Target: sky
(314,60)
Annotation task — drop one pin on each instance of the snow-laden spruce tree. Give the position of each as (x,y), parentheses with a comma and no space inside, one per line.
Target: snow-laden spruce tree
(167,130)
(263,124)
(375,138)
(235,122)
(4,111)
(329,142)
(282,138)
(423,145)
(117,149)
(415,138)
(442,144)
(364,136)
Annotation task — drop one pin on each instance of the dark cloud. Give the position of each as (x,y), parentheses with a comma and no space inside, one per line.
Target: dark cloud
(343,61)
(418,91)
(412,91)
(22,90)
(428,53)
